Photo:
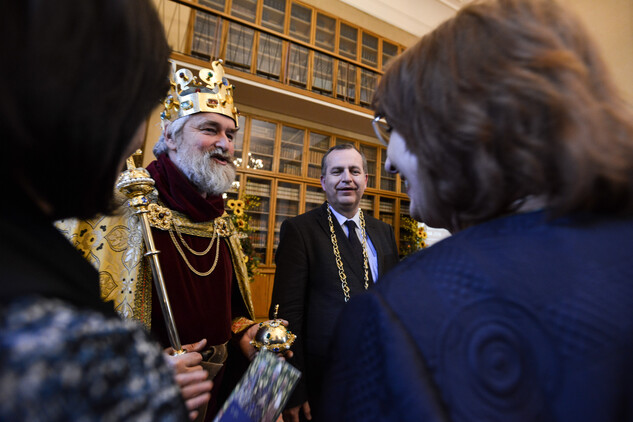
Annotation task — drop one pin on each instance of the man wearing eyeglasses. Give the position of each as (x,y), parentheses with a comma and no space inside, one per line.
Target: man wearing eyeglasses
(326,256)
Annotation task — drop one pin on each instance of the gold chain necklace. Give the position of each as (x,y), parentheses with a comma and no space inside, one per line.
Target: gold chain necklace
(206,251)
(337,253)
(184,257)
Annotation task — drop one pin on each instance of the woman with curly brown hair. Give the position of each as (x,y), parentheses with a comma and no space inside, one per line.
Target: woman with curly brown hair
(507,129)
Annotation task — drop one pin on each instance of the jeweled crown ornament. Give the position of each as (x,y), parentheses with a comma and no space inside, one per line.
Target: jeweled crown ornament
(210,91)
(273,336)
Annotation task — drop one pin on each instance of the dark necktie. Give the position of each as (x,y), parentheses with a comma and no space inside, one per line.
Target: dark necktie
(356,246)
(353,238)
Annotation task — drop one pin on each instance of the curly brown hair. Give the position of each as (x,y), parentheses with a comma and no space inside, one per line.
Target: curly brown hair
(509,100)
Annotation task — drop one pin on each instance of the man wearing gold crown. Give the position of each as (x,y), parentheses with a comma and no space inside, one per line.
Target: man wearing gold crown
(202,263)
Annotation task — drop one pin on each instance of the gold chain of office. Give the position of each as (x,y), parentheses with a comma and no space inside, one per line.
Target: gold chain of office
(337,253)
(184,257)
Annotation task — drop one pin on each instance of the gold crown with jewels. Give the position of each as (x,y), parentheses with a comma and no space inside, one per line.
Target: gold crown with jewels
(210,92)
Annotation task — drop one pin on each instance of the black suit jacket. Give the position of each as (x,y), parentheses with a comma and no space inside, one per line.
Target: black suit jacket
(308,286)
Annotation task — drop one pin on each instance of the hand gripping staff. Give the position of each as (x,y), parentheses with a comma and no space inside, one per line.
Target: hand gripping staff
(136,184)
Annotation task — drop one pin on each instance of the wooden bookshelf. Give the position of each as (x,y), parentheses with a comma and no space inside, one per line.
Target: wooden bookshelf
(259,216)
(389,51)
(262,145)
(371,153)
(239,48)
(244,9)
(387,210)
(300,22)
(387,180)
(325,35)
(369,51)
(322,71)
(314,50)
(287,205)
(269,52)
(348,41)
(274,14)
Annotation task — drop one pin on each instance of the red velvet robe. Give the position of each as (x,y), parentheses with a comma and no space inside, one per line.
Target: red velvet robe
(203,307)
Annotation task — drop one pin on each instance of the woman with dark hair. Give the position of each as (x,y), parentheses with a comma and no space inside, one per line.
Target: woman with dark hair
(80,78)
(505,126)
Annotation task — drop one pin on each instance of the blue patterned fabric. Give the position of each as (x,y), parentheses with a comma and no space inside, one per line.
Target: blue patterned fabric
(517,319)
(66,355)
(63,364)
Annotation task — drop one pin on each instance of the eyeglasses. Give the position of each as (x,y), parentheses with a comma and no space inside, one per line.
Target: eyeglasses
(382,129)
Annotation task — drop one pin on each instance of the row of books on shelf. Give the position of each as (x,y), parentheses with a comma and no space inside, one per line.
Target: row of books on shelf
(388,185)
(259,239)
(315,197)
(315,157)
(290,168)
(292,136)
(258,189)
(284,192)
(291,153)
(314,172)
(262,148)
(263,131)
(367,204)
(288,208)
(386,206)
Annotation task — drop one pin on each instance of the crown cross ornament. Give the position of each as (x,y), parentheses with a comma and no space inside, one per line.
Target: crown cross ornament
(209,91)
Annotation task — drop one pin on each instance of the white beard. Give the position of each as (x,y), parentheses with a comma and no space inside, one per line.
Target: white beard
(203,171)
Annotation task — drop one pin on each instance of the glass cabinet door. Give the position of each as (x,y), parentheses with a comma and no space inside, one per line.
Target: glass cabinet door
(368,82)
(207,30)
(239,47)
(367,204)
(319,144)
(300,22)
(389,51)
(346,81)
(245,9)
(369,50)
(371,153)
(291,152)
(387,211)
(214,4)
(387,180)
(322,69)
(273,14)
(314,197)
(269,52)
(348,41)
(325,32)
(262,146)
(233,192)
(286,206)
(297,72)
(238,142)
(259,215)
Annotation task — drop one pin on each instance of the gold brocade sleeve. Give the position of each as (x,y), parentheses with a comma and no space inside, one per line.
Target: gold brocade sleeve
(114,246)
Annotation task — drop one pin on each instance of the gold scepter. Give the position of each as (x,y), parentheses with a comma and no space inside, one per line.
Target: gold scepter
(136,183)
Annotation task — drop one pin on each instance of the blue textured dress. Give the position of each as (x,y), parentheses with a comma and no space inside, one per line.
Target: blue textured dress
(517,319)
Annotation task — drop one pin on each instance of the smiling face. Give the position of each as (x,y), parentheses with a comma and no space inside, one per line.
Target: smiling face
(203,151)
(400,160)
(344,180)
